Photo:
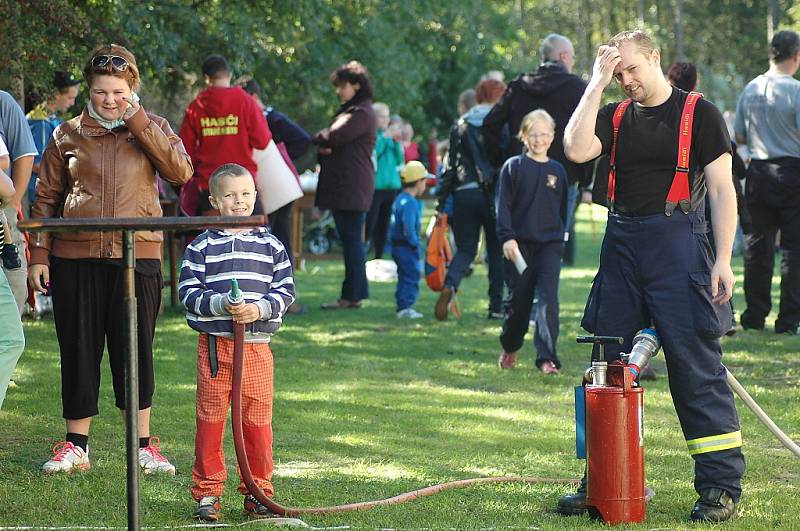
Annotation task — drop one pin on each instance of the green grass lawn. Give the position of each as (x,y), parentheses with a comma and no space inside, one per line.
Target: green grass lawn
(367,407)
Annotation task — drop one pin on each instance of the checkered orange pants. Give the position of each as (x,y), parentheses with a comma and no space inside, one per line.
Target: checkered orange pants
(213,401)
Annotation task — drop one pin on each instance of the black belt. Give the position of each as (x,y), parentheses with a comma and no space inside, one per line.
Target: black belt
(212,355)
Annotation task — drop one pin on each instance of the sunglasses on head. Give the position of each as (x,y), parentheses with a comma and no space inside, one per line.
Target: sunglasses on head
(117,63)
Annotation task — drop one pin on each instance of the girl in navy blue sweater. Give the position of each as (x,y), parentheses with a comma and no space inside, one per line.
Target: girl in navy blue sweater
(531,215)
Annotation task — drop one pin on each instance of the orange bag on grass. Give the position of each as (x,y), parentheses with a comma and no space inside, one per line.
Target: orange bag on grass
(439,255)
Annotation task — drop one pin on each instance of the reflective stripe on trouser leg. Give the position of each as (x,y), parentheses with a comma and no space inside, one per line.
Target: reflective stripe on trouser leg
(715,443)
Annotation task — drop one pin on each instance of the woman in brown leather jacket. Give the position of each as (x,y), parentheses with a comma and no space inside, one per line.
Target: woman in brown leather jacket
(103,164)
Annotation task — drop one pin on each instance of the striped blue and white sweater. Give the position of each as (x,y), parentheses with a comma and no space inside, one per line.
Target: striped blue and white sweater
(260,264)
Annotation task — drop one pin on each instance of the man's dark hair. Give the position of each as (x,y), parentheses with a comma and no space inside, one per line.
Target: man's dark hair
(354,72)
(683,76)
(785,45)
(249,85)
(215,66)
(63,80)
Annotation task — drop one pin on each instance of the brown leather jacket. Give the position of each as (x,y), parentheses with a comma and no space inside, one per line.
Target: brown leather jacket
(88,171)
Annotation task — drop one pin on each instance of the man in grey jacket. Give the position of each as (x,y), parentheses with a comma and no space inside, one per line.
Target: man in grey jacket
(16,134)
(554,88)
(768,119)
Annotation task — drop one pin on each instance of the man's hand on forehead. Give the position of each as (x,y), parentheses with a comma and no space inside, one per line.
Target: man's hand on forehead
(608,58)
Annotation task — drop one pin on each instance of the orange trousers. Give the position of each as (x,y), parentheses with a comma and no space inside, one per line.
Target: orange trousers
(213,401)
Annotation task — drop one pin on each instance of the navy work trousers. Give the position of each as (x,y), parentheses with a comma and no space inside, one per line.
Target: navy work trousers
(656,269)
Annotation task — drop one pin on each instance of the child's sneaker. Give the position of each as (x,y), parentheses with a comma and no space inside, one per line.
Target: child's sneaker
(151,460)
(10,256)
(67,458)
(408,313)
(548,367)
(208,509)
(255,508)
(507,360)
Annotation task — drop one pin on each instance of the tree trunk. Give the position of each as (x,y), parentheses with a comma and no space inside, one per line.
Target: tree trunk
(773,18)
(585,50)
(679,50)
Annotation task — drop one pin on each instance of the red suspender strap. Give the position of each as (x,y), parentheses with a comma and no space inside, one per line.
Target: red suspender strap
(679,191)
(616,120)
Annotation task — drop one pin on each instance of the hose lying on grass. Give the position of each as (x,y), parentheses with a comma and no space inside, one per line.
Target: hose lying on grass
(247,477)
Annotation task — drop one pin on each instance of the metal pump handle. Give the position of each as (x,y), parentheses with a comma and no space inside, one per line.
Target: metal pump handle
(601,340)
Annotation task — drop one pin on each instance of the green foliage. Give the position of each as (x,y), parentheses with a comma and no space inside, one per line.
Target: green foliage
(421,54)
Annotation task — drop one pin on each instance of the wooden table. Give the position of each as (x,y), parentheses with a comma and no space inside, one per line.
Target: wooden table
(304,203)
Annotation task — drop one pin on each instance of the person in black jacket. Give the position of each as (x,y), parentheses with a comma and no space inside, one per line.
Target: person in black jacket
(470,179)
(296,141)
(347,175)
(554,88)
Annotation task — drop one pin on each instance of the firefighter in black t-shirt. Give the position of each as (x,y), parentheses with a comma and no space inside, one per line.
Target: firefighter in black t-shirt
(657,266)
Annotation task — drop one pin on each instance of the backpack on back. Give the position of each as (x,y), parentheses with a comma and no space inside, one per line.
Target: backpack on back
(467,145)
(476,150)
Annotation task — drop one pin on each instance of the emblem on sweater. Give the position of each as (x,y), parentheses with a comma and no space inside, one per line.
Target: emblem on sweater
(552,181)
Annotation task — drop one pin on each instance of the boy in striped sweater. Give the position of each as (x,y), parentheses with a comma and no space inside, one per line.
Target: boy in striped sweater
(260,264)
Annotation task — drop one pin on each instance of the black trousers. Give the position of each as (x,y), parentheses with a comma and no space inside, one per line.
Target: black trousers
(773,199)
(472,210)
(280,222)
(541,276)
(89,312)
(378,219)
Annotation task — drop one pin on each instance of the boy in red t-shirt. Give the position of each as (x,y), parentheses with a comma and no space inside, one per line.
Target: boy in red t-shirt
(222,125)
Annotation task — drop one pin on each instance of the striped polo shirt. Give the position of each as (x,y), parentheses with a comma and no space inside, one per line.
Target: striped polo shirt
(260,264)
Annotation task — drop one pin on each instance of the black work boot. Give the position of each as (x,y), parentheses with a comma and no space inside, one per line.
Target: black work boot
(713,505)
(573,504)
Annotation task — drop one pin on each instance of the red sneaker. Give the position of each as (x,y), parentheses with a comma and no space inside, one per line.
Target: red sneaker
(151,460)
(507,360)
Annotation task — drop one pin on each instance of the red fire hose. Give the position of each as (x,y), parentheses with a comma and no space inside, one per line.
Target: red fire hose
(247,476)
